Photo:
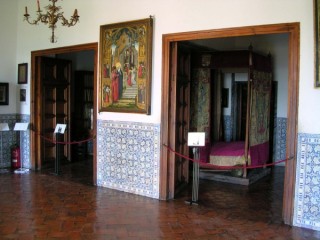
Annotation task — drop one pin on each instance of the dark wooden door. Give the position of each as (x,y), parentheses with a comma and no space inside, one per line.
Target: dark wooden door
(180,92)
(55,75)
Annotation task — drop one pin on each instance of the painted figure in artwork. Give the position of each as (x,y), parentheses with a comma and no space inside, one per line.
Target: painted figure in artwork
(106,70)
(141,93)
(141,70)
(120,79)
(107,91)
(115,84)
(133,75)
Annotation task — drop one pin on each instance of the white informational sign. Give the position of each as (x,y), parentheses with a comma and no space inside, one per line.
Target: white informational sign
(196,139)
(4,127)
(60,128)
(21,127)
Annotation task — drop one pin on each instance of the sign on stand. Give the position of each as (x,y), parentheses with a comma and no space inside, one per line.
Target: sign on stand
(59,130)
(195,140)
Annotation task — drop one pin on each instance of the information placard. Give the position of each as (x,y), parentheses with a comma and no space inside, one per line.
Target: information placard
(60,128)
(21,127)
(4,127)
(196,139)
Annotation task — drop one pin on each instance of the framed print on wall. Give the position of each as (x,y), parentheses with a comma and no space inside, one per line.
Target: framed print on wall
(317,38)
(4,93)
(125,66)
(23,73)
(23,95)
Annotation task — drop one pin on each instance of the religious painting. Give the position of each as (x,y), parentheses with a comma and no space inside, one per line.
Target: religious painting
(317,38)
(125,66)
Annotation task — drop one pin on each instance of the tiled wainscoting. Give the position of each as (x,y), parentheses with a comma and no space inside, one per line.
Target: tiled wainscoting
(307,195)
(9,138)
(128,157)
(227,128)
(280,139)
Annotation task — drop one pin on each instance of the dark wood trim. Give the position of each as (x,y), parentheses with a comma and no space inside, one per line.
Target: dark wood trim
(292,124)
(293,29)
(173,117)
(164,138)
(35,85)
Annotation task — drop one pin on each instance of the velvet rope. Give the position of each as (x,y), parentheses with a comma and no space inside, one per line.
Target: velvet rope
(67,143)
(208,165)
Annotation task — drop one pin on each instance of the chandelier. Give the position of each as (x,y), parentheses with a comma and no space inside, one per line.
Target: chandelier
(51,17)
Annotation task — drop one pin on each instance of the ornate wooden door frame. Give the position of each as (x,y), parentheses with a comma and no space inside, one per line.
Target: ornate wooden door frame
(293,30)
(35,96)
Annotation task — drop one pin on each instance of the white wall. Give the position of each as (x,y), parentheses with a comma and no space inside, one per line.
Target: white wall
(171,17)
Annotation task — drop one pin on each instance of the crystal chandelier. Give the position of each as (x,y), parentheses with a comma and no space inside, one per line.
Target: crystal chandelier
(51,17)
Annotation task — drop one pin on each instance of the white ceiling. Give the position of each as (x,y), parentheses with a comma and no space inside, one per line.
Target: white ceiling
(261,43)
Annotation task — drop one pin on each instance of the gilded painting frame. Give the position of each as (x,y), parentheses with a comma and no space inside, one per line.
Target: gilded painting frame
(316,7)
(126,66)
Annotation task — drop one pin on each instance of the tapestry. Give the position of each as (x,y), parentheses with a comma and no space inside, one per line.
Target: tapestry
(260,117)
(200,102)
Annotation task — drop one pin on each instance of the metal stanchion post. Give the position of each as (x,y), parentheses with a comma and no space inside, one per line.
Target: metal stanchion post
(59,131)
(195,191)
(195,178)
(57,162)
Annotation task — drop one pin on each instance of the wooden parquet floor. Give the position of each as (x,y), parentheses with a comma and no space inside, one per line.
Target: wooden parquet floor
(39,205)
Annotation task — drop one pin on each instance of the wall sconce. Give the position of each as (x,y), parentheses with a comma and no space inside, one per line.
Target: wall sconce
(51,17)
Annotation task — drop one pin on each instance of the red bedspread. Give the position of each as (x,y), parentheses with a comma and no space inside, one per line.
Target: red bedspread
(227,149)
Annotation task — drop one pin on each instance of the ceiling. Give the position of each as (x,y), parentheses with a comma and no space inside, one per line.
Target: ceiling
(261,43)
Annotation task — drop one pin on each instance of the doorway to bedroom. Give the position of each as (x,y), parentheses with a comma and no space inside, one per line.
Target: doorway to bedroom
(174,170)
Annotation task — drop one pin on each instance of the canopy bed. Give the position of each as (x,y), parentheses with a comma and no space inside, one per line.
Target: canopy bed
(207,111)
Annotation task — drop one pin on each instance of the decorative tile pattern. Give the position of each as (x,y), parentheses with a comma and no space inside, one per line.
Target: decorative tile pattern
(128,157)
(307,194)
(25,143)
(9,138)
(280,136)
(227,127)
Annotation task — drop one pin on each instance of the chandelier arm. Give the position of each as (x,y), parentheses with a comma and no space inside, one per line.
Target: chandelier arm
(51,17)
(65,22)
(33,22)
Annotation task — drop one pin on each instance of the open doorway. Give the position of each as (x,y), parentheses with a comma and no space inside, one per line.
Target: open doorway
(169,104)
(65,109)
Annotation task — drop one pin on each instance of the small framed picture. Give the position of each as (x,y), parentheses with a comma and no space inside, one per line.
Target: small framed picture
(23,73)
(4,93)
(23,95)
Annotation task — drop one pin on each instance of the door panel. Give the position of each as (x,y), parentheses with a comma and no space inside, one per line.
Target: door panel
(180,77)
(56,75)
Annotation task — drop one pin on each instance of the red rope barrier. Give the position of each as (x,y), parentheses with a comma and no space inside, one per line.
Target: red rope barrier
(68,143)
(209,165)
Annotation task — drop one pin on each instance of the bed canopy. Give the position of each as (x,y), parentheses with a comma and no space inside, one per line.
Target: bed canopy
(206,107)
